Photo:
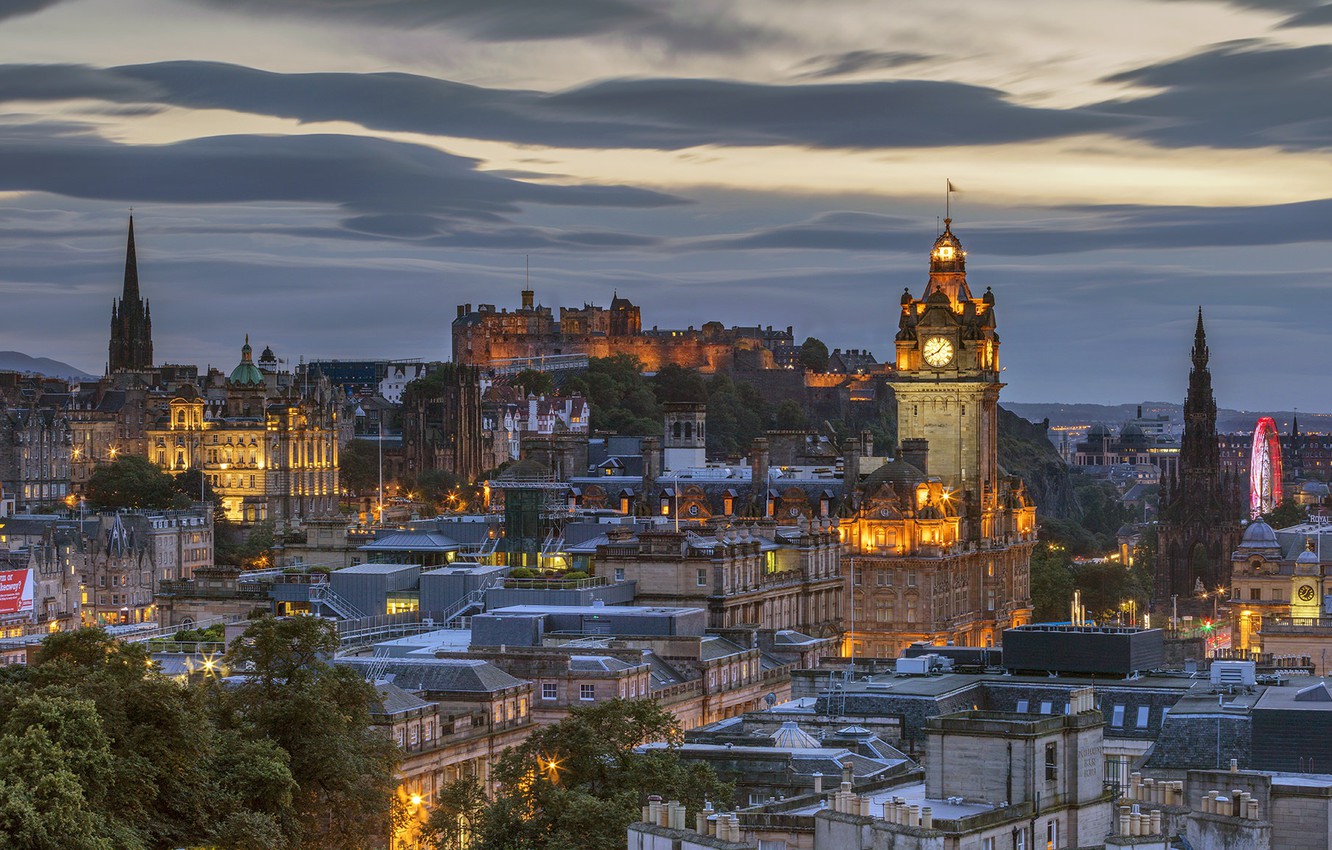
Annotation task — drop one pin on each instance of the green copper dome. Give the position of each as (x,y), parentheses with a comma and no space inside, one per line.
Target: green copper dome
(246,374)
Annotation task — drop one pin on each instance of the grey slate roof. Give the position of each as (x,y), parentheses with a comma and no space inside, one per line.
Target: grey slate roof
(444,675)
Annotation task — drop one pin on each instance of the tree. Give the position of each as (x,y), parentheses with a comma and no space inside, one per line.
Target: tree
(534,382)
(195,486)
(1051,582)
(245,548)
(814,355)
(135,483)
(580,782)
(676,383)
(319,715)
(1286,514)
(358,466)
(791,416)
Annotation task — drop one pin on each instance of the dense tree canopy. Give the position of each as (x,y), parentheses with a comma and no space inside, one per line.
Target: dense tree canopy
(576,784)
(99,751)
(358,467)
(814,355)
(135,483)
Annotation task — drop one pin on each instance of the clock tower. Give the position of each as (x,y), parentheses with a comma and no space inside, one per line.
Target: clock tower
(947,384)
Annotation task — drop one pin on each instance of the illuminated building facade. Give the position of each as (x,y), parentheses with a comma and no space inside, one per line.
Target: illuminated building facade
(489,337)
(268,453)
(938,541)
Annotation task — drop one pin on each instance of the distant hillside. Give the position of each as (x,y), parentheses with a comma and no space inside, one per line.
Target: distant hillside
(1026,451)
(1227,420)
(17,361)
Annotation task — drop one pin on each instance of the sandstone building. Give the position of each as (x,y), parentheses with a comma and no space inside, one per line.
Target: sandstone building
(938,540)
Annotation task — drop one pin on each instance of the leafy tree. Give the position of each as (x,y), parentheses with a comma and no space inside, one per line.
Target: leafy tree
(240,547)
(619,397)
(814,355)
(132,482)
(192,483)
(791,416)
(457,817)
(358,466)
(1286,514)
(1051,582)
(676,383)
(581,782)
(319,715)
(534,382)
(737,414)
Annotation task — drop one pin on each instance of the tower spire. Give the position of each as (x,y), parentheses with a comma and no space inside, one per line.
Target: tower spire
(131,292)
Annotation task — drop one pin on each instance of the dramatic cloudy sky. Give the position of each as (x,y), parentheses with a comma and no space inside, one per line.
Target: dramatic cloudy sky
(334,176)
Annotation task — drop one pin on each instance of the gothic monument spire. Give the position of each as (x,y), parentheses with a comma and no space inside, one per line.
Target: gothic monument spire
(131,348)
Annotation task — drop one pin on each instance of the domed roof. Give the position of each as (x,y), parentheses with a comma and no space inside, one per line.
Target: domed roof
(246,374)
(1308,556)
(902,475)
(1259,535)
(1098,430)
(792,737)
(1131,430)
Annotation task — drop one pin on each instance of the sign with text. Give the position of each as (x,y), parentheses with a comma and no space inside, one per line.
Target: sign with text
(15,591)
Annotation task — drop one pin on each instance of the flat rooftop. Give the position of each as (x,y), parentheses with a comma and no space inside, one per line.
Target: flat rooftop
(914,795)
(943,684)
(376,569)
(588,610)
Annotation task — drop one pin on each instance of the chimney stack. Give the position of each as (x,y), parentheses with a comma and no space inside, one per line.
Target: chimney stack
(916,451)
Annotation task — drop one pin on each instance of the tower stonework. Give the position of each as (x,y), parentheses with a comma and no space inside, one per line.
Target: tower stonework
(131,348)
(1200,516)
(947,382)
(938,541)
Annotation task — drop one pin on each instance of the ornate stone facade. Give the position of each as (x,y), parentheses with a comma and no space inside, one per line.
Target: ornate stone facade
(938,540)
(268,452)
(1200,507)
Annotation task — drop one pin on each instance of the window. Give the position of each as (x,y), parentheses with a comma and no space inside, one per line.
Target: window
(1020,840)
(548,690)
(1051,762)
(1051,834)
(1022,706)
(587,693)
(702,578)
(1045,707)
(429,731)
(619,573)
(1256,594)
(1117,717)
(1143,712)
(987,844)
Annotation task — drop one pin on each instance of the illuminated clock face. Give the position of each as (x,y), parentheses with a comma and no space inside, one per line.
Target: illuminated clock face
(1306,593)
(938,351)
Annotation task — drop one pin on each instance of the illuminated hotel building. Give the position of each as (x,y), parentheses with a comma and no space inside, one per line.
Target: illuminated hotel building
(938,539)
(269,453)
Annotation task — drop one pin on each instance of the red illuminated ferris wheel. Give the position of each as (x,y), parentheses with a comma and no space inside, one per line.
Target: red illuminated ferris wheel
(1265,469)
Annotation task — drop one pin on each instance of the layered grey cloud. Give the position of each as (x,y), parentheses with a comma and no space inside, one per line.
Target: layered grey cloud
(1240,94)
(661,114)
(857,61)
(392,188)
(16,8)
(1067,230)
(1318,16)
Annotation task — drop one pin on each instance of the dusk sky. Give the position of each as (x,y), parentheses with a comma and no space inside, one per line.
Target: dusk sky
(334,176)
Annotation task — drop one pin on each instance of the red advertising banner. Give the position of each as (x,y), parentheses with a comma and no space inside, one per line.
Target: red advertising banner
(15,591)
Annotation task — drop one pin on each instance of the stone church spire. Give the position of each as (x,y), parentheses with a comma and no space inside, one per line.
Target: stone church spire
(131,347)
(1199,511)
